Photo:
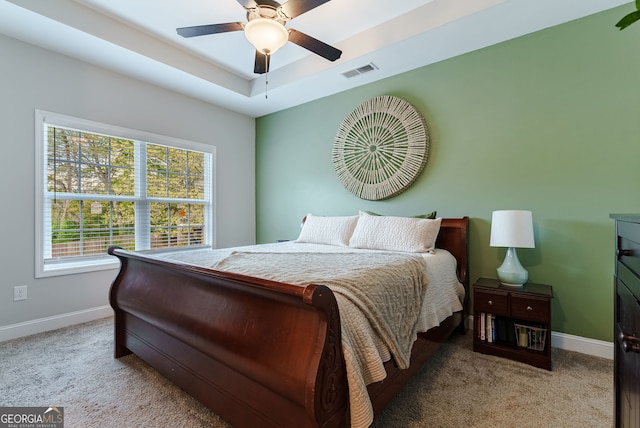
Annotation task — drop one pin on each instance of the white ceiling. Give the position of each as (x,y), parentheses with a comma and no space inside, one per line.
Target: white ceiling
(138,38)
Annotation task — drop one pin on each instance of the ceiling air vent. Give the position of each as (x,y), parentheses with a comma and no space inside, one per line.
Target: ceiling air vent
(360,70)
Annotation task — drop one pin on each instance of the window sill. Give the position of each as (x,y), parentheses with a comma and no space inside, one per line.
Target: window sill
(98,263)
(75,267)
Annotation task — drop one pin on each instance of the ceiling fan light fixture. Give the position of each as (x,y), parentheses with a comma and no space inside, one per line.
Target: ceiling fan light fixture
(266,35)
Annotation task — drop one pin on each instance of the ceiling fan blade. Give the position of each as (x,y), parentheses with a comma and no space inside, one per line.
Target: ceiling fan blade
(247,3)
(314,45)
(294,8)
(261,64)
(203,30)
(271,3)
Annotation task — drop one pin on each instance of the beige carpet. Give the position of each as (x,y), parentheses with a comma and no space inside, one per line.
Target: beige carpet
(74,368)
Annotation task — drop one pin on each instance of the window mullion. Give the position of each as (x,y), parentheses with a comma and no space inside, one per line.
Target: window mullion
(142,210)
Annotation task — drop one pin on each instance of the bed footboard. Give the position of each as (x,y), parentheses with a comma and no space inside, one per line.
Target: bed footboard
(257,352)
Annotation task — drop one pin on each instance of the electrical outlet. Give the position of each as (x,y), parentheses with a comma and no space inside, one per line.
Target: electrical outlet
(19,293)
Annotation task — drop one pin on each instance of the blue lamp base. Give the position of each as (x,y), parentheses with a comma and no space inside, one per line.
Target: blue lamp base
(511,272)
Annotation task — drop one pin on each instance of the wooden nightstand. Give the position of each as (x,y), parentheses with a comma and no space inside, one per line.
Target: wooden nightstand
(513,322)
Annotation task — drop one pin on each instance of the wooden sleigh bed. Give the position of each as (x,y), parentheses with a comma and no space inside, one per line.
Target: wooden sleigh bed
(257,352)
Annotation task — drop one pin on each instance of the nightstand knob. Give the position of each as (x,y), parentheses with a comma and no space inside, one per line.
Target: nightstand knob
(529,308)
(490,302)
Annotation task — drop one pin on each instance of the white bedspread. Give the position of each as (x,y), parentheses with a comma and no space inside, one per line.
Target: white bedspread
(365,351)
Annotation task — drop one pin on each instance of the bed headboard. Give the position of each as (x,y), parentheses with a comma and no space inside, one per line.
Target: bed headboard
(453,238)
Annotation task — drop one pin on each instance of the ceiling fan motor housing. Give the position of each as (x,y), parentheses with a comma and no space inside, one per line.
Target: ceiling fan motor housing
(268,12)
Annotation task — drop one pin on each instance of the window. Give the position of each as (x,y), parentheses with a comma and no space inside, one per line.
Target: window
(100,185)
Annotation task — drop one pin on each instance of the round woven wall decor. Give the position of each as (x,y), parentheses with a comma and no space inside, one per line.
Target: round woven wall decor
(381,148)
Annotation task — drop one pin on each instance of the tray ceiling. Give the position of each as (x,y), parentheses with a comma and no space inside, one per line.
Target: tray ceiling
(138,38)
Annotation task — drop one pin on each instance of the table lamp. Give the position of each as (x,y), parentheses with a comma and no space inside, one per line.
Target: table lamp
(512,229)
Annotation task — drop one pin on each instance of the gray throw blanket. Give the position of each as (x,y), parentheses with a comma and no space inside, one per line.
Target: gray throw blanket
(389,288)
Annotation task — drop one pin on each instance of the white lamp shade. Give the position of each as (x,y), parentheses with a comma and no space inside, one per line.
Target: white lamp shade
(266,35)
(512,228)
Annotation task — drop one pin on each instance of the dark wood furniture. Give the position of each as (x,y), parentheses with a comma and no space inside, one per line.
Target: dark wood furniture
(525,310)
(627,321)
(257,352)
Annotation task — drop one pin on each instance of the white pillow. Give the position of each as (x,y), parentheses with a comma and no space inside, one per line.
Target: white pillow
(415,235)
(328,230)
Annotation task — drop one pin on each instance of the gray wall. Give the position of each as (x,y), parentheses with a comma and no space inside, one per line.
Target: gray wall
(32,78)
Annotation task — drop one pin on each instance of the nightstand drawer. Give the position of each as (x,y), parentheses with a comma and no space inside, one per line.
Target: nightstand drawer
(493,303)
(530,308)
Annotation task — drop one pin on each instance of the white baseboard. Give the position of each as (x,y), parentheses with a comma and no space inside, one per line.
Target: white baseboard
(569,342)
(41,325)
(584,345)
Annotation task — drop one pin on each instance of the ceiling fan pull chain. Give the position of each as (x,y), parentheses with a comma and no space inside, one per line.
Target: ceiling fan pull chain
(266,77)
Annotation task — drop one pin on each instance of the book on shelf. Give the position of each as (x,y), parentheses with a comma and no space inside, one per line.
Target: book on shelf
(487,327)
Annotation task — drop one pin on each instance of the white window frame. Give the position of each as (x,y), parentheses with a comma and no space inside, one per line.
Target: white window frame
(42,230)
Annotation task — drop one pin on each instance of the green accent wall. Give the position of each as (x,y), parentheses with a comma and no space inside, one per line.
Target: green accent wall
(548,122)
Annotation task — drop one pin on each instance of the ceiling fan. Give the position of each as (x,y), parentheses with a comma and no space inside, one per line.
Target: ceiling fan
(265,29)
